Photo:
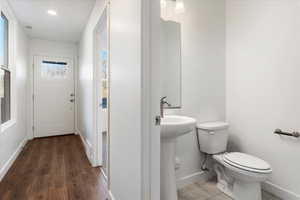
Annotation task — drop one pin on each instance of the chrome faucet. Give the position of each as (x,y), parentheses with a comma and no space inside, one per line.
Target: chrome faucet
(162,103)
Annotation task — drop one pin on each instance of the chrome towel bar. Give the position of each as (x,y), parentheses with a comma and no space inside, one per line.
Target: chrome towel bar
(293,134)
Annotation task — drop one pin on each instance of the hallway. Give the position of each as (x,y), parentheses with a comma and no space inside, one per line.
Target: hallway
(53,168)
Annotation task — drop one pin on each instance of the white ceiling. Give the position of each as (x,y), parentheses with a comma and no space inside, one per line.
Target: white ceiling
(72,15)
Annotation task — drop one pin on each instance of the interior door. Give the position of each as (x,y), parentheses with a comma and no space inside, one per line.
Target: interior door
(102,87)
(54,97)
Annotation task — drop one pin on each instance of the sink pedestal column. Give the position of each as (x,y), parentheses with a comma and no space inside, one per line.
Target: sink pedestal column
(168,180)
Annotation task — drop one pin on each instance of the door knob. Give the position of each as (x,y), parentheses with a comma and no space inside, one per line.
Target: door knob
(72,100)
(72,95)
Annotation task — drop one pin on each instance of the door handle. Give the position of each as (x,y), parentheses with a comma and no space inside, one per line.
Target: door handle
(157,120)
(72,95)
(72,100)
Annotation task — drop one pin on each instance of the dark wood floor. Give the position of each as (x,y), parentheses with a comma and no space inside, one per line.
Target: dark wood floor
(53,168)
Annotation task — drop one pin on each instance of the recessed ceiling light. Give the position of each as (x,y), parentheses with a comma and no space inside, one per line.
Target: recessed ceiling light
(52,12)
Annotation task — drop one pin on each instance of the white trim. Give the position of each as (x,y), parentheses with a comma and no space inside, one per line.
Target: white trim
(96,90)
(8,125)
(12,23)
(88,149)
(98,161)
(196,177)
(279,191)
(111,195)
(104,175)
(151,84)
(146,102)
(12,159)
(30,104)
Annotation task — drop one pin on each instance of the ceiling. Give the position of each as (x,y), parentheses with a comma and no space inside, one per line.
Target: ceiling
(67,25)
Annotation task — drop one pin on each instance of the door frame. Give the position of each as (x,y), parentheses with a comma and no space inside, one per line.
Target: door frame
(30,98)
(96,90)
(151,93)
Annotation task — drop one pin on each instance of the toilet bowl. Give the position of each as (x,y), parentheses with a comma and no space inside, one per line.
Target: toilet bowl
(239,174)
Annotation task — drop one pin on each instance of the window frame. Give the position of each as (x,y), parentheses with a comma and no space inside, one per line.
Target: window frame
(3,66)
(4,9)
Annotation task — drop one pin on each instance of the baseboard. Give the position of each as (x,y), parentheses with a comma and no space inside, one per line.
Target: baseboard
(12,159)
(111,195)
(88,148)
(279,191)
(200,176)
(103,173)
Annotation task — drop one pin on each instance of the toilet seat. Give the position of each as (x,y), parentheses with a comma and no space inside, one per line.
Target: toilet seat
(247,162)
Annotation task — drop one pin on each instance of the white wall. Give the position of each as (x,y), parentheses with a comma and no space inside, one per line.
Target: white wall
(263,45)
(53,48)
(126,88)
(12,139)
(40,47)
(203,74)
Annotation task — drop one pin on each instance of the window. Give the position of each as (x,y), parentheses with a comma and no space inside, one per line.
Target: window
(54,70)
(4,40)
(5,74)
(5,96)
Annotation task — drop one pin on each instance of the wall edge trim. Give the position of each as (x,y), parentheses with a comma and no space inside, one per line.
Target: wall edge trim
(12,159)
(87,148)
(279,191)
(200,176)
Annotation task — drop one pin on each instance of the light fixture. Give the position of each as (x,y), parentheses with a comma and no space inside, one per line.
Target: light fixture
(179,7)
(52,12)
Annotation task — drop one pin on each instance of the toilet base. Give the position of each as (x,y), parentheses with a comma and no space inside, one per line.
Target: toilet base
(224,188)
(224,182)
(246,190)
(231,184)
(240,190)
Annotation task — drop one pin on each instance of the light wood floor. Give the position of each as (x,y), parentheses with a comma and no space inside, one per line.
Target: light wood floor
(54,168)
(209,191)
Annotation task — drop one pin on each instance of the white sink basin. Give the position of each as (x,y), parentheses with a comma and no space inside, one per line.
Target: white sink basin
(173,126)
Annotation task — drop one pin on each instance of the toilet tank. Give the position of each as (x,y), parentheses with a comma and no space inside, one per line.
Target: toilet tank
(213,137)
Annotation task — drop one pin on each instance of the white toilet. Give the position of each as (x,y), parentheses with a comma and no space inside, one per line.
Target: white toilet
(239,175)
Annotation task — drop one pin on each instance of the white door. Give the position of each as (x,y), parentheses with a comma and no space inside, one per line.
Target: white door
(54,97)
(102,89)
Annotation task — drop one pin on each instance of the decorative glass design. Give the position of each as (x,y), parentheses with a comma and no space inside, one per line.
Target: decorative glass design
(104,58)
(104,83)
(56,70)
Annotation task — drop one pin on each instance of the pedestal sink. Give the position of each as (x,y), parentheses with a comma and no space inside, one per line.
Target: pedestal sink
(172,126)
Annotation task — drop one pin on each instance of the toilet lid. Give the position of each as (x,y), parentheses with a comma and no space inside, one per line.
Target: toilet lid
(247,162)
